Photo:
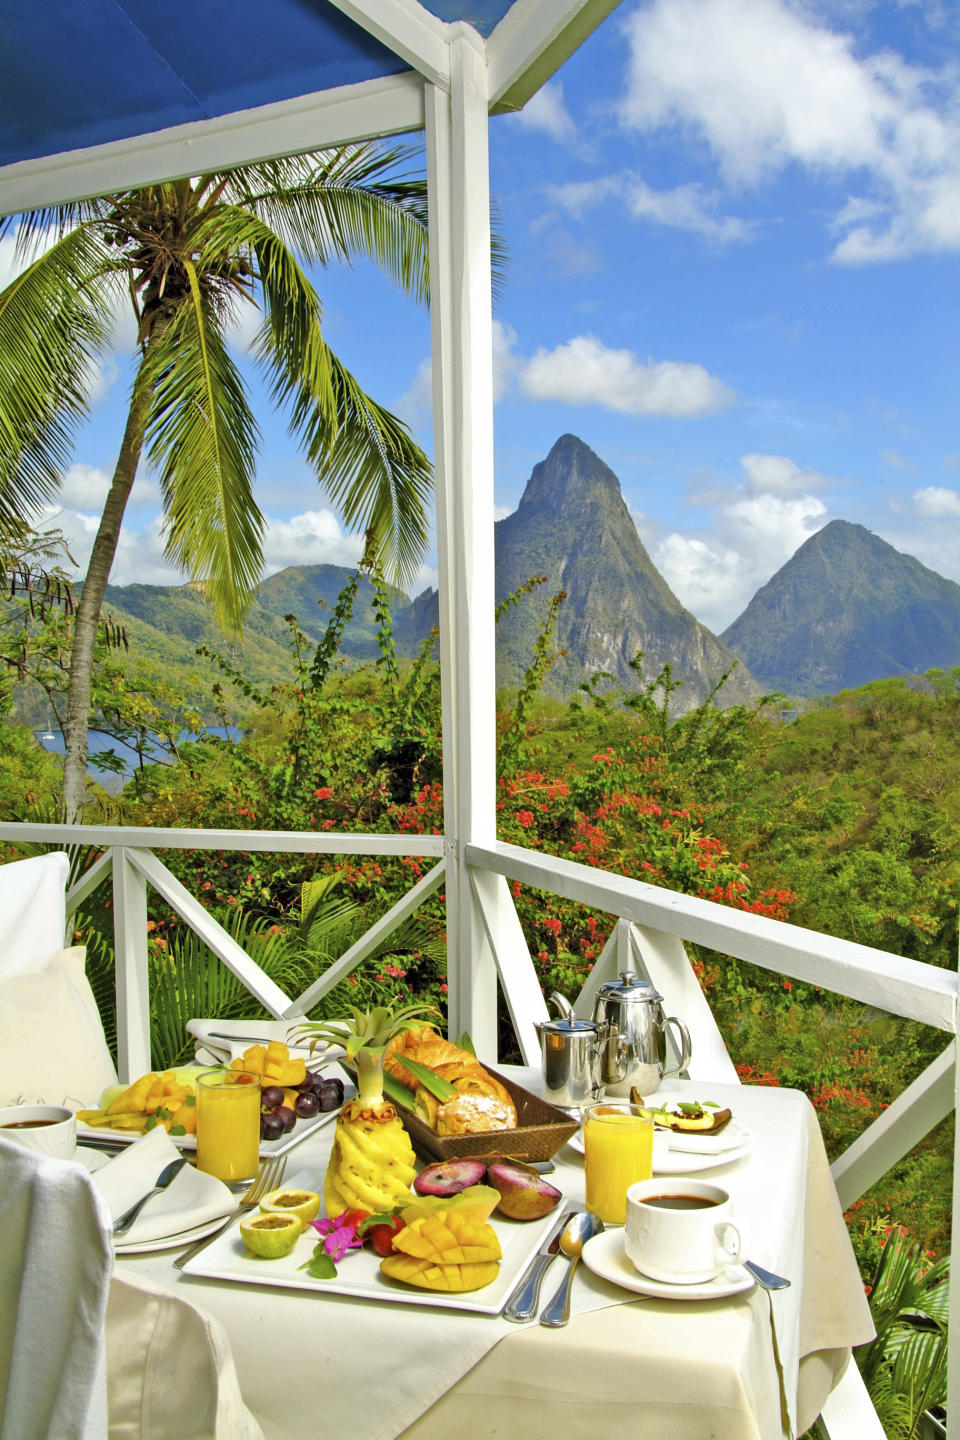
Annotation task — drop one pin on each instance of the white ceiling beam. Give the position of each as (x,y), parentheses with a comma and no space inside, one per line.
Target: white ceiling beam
(389,106)
(533,40)
(407,29)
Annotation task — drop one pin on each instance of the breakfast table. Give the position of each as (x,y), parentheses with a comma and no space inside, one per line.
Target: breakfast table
(750,1365)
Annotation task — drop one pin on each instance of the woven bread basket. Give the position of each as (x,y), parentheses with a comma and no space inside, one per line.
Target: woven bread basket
(541,1129)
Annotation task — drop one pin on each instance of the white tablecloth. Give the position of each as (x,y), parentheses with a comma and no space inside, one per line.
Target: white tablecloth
(729,1369)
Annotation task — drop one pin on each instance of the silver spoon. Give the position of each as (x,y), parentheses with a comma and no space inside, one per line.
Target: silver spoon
(574,1236)
(765,1278)
(168,1173)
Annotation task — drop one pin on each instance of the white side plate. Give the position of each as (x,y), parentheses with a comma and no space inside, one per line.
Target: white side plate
(605,1256)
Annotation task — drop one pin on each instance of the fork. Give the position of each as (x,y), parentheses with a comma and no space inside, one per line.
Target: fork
(267,1178)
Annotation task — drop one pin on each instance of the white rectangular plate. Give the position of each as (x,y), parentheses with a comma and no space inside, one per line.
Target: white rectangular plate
(188,1143)
(358,1273)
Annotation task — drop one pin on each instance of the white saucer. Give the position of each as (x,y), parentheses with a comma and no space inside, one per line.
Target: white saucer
(605,1256)
(170,1242)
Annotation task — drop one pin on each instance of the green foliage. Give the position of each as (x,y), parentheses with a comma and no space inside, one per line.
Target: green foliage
(847,820)
(905,1367)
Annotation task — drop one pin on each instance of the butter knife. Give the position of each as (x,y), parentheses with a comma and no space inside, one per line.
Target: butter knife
(525,1299)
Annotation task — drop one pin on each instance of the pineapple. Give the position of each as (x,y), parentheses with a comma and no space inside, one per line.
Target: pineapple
(372,1162)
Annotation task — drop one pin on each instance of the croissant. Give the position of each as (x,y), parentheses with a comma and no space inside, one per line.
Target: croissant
(481,1102)
(425,1045)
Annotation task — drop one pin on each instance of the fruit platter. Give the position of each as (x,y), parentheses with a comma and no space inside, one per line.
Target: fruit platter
(294,1101)
(456,1251)
(457,1232)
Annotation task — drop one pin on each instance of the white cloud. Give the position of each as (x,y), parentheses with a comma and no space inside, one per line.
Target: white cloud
(767,86)
(579,195)
(686,207)
(936,500)
(313,538)
(778,475)
(547,111)
(754,530)
(415,405)
(583,371)
(85,488)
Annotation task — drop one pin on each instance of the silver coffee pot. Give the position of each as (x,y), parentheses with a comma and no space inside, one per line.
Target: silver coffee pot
(576,1056)
(631,1009)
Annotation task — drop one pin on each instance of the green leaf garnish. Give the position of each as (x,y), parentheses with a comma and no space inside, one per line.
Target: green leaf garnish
(439,1088)
(321,1267)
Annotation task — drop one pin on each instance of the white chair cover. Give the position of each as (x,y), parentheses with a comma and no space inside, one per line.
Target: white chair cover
(56,1257)
(33,911)
(170,1367)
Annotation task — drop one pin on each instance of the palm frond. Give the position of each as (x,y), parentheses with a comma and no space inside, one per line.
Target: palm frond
(338,204)
(188,982)
(202,437)
(54,322)
(365,458)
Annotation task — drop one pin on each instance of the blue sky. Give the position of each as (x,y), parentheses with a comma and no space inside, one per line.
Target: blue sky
(734,229)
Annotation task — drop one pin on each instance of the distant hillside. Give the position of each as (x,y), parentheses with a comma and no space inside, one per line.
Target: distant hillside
(573,526)
(846,609)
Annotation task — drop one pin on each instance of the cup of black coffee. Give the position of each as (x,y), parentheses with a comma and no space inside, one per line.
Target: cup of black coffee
(50,1129)
(680,1231)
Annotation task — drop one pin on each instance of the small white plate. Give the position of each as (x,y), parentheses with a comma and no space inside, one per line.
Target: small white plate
(170,1242)
(605,1256)
(94,1160)
(667,1161)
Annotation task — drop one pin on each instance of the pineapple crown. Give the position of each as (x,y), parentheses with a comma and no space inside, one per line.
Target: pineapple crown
(367,1030)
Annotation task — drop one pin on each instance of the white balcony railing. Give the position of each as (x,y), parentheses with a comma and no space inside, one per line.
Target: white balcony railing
(652,925)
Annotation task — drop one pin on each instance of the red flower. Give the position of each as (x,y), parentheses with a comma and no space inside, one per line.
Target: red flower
(323,793)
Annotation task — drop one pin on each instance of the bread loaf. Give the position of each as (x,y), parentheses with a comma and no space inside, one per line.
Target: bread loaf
(481,1102)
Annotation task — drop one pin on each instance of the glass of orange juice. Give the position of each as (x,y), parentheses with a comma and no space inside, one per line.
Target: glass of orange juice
(228,1124)
(618,1149)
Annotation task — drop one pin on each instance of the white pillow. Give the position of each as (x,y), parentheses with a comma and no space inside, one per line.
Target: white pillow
(52,1048)
(33,911)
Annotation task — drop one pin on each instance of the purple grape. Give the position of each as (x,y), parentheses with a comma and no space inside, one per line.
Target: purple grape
(306,1104)
(286,1116)
(330,1094)
(307,1084)
(270,1097)
(271,1127)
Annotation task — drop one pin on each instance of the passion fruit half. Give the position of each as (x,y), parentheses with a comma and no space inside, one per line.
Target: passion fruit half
(270,1236)
(304,1204)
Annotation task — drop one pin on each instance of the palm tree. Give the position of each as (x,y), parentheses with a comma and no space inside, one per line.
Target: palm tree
(187,255)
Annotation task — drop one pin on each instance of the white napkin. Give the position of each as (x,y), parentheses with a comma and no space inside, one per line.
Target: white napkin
(212,1048)
(191,1199)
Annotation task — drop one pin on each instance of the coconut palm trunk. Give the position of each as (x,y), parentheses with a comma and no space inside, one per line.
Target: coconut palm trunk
(87,619)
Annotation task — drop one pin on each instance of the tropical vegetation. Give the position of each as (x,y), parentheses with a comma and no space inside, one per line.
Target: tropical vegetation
(187,256)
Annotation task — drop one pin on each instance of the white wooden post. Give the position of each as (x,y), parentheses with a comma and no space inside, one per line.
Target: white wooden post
(953,1352)
(462,336)
(130,946)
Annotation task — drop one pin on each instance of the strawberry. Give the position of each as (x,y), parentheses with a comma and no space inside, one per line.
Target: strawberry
(381,1236)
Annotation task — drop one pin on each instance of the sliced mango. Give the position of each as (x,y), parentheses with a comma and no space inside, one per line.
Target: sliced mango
(454,1278)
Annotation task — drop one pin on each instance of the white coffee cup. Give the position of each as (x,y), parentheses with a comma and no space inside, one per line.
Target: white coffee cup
(680,1231)
(48,1129)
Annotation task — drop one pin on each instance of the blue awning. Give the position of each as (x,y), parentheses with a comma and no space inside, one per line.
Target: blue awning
(73,75)
(104,94)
